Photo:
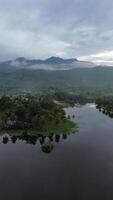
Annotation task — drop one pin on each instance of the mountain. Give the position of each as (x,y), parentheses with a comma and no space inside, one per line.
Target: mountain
(52,63)
(56,60)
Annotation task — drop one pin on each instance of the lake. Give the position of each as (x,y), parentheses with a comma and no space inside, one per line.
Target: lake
(80,167)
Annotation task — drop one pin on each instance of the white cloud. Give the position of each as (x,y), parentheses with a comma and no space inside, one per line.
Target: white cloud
(104,58)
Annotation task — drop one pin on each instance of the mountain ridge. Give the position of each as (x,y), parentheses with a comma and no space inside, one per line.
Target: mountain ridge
(51,63)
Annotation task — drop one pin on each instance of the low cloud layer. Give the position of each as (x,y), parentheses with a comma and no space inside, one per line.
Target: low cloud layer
(42,28)
(104,58)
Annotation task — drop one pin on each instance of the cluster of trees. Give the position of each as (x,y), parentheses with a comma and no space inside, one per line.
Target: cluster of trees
(105,105)
(29,112)
(69,97)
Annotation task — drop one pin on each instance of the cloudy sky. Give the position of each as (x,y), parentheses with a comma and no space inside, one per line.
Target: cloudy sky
(66,28)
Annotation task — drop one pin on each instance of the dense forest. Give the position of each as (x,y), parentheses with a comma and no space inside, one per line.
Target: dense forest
(34,118)
(86,81)
(36,114)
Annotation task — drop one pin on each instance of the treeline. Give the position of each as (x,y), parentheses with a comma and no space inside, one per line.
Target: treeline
(105,104)
(68,97)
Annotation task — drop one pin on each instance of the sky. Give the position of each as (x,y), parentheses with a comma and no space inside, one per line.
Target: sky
(80,29)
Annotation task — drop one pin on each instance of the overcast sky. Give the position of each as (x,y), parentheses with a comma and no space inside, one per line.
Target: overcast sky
(66,28)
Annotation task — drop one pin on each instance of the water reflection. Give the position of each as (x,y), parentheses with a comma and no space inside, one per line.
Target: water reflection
(13,139)
(105,111)
(47,143)
(64,136)
(57,138)
(5,140)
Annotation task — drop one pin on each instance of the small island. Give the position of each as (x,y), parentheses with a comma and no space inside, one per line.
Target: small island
(31,119)
(36,115)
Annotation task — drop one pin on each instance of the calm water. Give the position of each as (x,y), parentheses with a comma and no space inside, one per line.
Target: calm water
(79,168)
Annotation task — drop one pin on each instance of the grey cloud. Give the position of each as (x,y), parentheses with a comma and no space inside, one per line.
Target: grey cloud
(41,28)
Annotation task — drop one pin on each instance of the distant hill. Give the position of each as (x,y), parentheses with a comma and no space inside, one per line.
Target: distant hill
(24,75)
(57,60)
(52,63)
(97,79)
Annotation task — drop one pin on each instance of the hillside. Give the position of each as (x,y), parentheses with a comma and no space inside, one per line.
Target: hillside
(99,79)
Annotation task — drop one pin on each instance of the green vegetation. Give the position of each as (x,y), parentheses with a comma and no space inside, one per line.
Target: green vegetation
(67,97)
(34,119)
(33,114)
(88,82)
(47,147)
(105,105)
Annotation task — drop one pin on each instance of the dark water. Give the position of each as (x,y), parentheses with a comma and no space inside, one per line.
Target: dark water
(79,168)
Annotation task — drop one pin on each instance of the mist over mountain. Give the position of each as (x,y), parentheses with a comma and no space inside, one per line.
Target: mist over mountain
(25,75)
(52,63)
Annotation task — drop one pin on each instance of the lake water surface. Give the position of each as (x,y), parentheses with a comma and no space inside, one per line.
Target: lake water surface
(79,168)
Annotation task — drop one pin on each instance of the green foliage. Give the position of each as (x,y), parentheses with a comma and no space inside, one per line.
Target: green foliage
(33,113)
(89,82)
(105,104)
(47,147)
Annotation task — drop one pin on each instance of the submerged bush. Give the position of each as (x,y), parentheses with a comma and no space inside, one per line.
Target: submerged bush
(47,147)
